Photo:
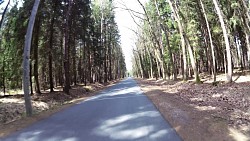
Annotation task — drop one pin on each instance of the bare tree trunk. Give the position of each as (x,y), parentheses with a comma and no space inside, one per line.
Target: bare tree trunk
(158,66)
(186,41)
(31,86)
(136,65)
(51,84)
(3,14)
(74,61)
(105,45)
(141,65)
(61,79)
(167,40)
(85,65)
(210,39)
(246,12)
(66,51)
(26,57)
(110,59)
(183,45)
(36,40)
(192,60)
(150,63)
(248,49)
(245,19)
(224,29)
(90,74)
(161,58)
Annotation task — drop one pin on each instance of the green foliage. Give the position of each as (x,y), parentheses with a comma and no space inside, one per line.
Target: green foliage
(195,28)
(85,34)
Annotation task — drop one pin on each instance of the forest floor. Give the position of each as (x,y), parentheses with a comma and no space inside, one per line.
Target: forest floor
(12,109)
(204,112)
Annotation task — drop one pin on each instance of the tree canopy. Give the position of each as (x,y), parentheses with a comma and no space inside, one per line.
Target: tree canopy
(73,42)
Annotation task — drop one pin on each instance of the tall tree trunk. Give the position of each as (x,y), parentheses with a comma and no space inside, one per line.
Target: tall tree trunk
(166,31)
(31,86)
(85,65)
(61,77)
(74,62)
(183,45)
(160,47)
(192,59)
(3,14)
(51,84)
(36,40)
(67,50)
(3,72)
(110,59)
(186,41)
(248,49)
(150,63)
(26,57)
(141,65)
(80,65)
(224,29)
(105,56)
(245,19)
(158,66)
(90,74)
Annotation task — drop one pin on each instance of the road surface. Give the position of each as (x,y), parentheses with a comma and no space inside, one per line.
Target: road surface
(120,113)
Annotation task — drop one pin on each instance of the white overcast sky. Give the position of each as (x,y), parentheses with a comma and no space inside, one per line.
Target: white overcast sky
(125,22)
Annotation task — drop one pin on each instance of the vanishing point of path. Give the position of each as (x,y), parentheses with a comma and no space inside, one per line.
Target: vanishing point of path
(120,113)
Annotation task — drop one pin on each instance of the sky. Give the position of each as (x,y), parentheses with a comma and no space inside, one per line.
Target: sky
(125,23)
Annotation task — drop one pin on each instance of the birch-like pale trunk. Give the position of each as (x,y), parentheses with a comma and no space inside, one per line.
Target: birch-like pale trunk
(4,13)
(167,40)
(183,44)
(150,63)
(26,58)
(186,40)
(248,48)
(224,30)
(210,40)
(161,59)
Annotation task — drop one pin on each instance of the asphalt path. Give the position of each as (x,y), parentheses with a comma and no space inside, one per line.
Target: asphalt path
(120,113)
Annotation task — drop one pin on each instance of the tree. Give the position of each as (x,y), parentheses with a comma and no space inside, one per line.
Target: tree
(26,57)
(3,14)
(224,29)
(210,39)
(67,48)
(194,32)
(183,45)
(81,50)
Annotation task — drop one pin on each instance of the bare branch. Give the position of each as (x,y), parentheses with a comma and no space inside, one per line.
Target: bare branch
(128,9)
(132,14)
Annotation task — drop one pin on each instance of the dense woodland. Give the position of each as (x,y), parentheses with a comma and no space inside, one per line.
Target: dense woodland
(75,40)
(58,43)
(189,37)
(58,51)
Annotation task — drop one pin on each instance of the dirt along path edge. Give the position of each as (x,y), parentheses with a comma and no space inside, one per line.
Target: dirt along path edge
(191,124)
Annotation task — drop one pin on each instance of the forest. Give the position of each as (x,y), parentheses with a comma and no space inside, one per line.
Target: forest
(193,61)
(190,61)
(190,37)
(72,42)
